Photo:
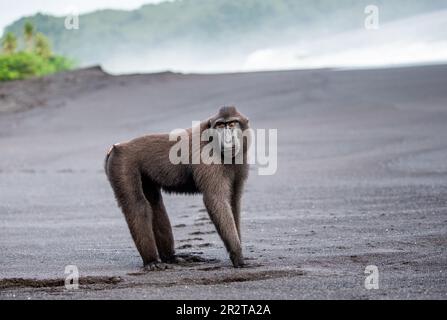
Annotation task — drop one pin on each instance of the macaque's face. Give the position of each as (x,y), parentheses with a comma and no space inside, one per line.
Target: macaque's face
(229,133)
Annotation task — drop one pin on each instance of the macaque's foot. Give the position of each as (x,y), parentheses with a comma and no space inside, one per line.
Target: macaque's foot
(169,259)
(237,260)
(156,266)
(188,258)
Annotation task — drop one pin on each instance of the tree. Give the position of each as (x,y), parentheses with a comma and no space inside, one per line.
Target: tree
(42,46)
(29,35)
(9,43)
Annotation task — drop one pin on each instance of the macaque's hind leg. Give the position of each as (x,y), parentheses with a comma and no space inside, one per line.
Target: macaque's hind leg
(161,224)
(138,213)
(139,219)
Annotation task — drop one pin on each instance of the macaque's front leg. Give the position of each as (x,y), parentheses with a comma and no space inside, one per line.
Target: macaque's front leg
(219,210)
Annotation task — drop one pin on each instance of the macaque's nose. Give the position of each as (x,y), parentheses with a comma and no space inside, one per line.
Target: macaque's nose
(228,138)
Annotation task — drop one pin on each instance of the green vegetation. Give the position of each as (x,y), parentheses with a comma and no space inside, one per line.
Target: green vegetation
(42,46)
(29,35)
(9,43)
(36,60)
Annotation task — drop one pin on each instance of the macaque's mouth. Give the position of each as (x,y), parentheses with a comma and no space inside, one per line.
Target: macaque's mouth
(234,150)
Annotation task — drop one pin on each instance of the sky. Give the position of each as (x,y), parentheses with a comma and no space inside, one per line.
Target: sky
(13,10)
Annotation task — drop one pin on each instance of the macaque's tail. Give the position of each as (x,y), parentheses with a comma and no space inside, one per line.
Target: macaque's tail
(107,159)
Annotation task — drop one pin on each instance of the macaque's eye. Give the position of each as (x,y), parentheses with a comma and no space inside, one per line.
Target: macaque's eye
(220,125)
(232,124)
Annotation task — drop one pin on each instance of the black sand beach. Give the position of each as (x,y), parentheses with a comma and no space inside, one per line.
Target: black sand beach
(361,180)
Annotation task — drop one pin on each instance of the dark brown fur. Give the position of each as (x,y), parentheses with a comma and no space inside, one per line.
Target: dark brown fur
(139,169)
